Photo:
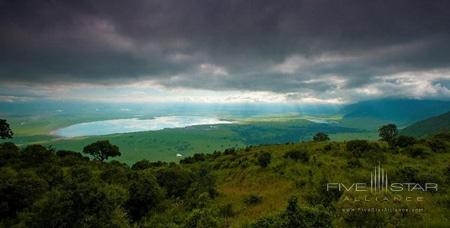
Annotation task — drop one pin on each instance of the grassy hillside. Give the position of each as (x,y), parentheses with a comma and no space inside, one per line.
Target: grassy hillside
(430,126)
(280,185)
(399,111)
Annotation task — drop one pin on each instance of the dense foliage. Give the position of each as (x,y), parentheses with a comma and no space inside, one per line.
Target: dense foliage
(320,137)
(388,133)
(5,130)
(258,186)
(102,150)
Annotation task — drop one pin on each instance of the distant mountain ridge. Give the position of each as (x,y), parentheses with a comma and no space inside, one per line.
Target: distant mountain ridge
(430,126)
(401,111)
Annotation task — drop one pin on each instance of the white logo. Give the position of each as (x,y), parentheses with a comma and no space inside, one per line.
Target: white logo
(379,182)
(378,179)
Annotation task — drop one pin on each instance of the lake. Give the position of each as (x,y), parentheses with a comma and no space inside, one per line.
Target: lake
(106,127)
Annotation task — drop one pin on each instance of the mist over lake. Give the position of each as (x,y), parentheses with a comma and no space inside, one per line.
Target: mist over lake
(106,127)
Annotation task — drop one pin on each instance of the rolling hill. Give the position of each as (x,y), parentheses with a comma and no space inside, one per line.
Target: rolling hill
(430,126)
(399,111)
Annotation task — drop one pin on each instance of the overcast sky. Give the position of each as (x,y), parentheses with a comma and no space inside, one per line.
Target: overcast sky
(306,51)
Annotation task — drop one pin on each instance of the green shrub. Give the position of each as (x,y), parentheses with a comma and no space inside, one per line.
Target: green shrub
(264,159)
(78,205)
(437,145)
(144,194)
(404,141)
(201,219)
(37,154)
(353,163)
(198,157)
(230,151)
(447,173)
(408,174)
(268,222)
(145,164)
(417,151)
(175,180)
(294,216)
(226,210)
(297,155)
(19,191)
(357,147)
(202,182)
(252,199)
(320,196)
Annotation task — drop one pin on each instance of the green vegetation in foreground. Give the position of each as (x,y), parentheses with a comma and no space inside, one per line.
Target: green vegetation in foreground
(259,186)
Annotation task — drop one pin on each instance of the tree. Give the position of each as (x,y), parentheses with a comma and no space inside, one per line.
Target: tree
(388,133)
(9,153)
(19,190)
(37,154)
(264,159)
(304,217)
(102,150)
(175,180)
(5,130)
(144,195)
(321,137)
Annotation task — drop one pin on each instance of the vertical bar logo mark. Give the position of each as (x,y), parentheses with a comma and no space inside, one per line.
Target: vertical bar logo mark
(378,179)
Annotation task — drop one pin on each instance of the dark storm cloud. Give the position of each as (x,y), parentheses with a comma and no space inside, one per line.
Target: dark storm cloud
(281,46)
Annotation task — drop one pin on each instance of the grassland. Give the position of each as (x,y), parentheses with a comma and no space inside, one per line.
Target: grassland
(239,176)
(164,145)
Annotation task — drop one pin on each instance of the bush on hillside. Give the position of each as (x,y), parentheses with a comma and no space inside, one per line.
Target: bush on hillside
(297,155)
(201,218)
(198,157)
(353,163)
(264,159)
(447,173)
(407,174)
(357,147)
(417,151)
(332,146)
(229,151)
(252,199)
(176,180)
(437,145)
(295,216)
(404,141)
(144,195)
(145,164)
(37,154)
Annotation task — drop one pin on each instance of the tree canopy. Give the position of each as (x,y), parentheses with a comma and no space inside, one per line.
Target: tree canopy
(5,130)
(320,137)
(388,133)
(102,150)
